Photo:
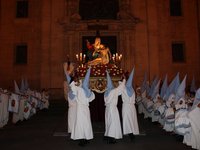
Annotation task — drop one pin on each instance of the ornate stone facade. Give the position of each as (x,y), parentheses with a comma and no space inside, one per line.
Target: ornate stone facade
(54,29)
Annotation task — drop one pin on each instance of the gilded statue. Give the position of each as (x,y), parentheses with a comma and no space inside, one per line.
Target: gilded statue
(101,54)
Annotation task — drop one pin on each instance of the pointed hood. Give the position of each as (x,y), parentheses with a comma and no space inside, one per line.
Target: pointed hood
(193,86)
(85,83)
(109,84)
(176,84)
(164,88)
(129,84)
(22,86)
(181,89)
(26,84)
(147,88)
(68,78)
(143,86)
(155,90)
(196,99)
(172,86)
(155,80)
(16,87)
(167,94)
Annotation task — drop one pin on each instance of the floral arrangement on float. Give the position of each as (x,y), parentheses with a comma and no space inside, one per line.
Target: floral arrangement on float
(100,70)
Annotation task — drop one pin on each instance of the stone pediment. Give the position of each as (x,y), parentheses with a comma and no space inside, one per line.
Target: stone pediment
(112,25)
(73,20)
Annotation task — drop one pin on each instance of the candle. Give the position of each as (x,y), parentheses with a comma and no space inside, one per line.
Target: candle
(113,58)
(80,56)
(77,57)
(84,57)
(117,57)
(120,57)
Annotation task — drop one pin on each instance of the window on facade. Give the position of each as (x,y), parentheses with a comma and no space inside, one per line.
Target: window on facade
(175,8)
(178,52)
(21,54)
(98,9)
(22,9)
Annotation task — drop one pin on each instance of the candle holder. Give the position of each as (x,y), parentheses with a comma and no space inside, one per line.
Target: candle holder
(80,58)
(116,58)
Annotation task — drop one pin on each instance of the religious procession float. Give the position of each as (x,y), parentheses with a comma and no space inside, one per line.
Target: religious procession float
(100,59)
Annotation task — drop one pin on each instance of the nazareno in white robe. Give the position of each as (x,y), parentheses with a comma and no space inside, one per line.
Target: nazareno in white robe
(82,128)
(71,113)
(182,122)
(4,113)
(112,120)
(71,108)
(169,115)
(155,115)
(193,138)
(129,114)
(20,115)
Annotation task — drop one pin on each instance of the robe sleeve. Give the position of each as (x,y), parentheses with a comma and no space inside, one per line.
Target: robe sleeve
(194,116)
(92,97)
(73,88)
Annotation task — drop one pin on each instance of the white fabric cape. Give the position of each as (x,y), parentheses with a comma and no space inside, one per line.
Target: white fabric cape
(4,114)
(129,114)
(112,120)
(83,127)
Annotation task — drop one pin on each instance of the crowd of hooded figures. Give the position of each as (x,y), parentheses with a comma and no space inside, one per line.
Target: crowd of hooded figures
(22,103)
(174,106)
(79,95)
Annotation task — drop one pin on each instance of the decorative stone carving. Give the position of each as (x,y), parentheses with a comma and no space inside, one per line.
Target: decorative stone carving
(123,28)
(75,17)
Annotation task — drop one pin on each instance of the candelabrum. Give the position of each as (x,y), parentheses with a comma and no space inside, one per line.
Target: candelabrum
(116,58)
(80,58)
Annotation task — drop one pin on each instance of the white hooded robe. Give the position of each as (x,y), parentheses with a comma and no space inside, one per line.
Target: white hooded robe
(112,120)
(83,127)
(129,114)
(194,135)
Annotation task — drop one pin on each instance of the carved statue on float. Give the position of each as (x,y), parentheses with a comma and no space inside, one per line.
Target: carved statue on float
(100,53)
